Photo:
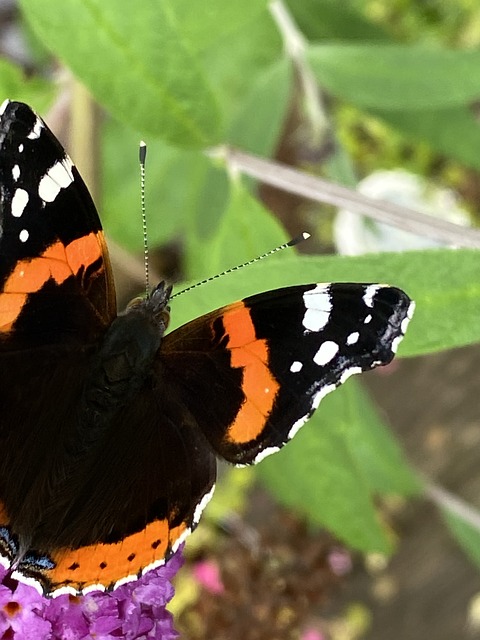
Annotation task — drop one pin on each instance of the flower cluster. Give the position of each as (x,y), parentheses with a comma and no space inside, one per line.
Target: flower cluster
(133,611)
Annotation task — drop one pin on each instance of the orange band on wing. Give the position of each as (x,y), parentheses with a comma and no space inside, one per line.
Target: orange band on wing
(85,251)
(258,385)
(107,563)
(57,262)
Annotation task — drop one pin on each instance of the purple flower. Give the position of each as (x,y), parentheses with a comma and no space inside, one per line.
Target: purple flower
(133,611)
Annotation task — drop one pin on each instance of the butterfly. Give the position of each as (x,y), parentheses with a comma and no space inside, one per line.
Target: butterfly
(110,426)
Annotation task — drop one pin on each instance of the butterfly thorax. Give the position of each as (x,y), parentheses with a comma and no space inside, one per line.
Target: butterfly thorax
(125,358)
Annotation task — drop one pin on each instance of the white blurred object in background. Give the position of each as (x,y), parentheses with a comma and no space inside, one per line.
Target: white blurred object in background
(355,234)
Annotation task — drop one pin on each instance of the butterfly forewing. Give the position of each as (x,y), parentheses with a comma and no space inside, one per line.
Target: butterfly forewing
(275,355)
(55,276)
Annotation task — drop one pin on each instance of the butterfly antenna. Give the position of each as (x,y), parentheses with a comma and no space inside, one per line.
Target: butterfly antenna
(142,154)
(291,243)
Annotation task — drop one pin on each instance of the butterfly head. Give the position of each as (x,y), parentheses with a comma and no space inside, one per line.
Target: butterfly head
(156,305)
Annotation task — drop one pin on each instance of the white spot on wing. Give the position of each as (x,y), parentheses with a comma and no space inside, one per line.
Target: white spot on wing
(57,177)
(265,453)
(405,323)
(395,342)
(15,172)
(353,338)
(94,587)
(348,373)
(19,202)
(131,578)
(20,148)
(201,505)
(296,366)
(4,105)
(151,566)
(23,235)
(403,327)
(37,128)
(367,319)
(369,294)
(318,306)
(31,582)
(296,427)
(327,351)
(328,388)
(178,542)
(315,402)
(315,320)
(64,591)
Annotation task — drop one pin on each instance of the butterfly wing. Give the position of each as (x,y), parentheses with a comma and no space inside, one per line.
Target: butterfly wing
(252,373)
(56,284)
(143,494)
(56,299)
(92,503)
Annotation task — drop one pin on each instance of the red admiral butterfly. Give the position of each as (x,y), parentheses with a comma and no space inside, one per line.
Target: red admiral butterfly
(110,429)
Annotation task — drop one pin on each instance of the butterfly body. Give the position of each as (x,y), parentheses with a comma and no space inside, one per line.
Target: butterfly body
(111,426)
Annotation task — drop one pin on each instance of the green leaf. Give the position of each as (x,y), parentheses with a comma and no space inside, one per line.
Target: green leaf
(444,283)
(203,23)
(15,86)
(372,446)
(319,19)
(234,61)
(317,475)
(454,132)
(467,536)
(213,190)
(257,124)
(246,229)
(137,61)
(396,77)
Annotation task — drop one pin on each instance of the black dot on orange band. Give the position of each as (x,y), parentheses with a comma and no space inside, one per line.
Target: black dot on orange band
(131,557)
(155,544)
(73,566)
(103,565)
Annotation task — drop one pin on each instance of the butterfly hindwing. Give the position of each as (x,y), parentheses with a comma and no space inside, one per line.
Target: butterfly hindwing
(145,492)
(96,503)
